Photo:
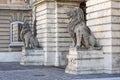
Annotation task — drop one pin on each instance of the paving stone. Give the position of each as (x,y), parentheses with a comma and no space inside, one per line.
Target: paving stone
(15,71)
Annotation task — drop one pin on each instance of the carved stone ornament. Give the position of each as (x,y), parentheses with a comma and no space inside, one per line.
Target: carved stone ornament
(29,40)
(81,35)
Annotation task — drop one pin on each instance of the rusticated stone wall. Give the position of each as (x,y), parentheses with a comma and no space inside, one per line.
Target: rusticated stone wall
(45,16)
(6,17)
(3,1)
(104,20)
(52,28)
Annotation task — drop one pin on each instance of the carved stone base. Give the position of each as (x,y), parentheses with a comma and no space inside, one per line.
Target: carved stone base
(85,62)
(32,57)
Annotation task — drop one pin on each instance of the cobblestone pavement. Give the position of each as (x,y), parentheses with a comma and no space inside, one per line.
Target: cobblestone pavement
(14,71)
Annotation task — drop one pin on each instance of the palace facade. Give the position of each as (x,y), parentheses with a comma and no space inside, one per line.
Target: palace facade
(49,20)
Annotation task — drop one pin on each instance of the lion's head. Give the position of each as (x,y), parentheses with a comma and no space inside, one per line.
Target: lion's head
(25,29)
(26,26)
(76,13)
(73,12)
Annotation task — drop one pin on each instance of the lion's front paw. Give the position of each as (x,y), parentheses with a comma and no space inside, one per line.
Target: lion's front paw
(78,47)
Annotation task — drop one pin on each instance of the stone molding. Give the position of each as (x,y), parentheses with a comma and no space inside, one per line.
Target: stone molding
(15,7)
(40,1)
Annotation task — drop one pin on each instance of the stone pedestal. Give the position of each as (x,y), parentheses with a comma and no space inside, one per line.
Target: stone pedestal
(85,62)
(32,57)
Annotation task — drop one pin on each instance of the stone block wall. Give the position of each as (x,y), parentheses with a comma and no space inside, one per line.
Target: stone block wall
(63,39)
(4,32)
(6,17)
(52,28)
(103,19)
(99,20)
(3,1)
(115,23)
(45,16)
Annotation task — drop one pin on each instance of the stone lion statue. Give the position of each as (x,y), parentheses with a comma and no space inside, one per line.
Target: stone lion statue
(81,35)
(26,35)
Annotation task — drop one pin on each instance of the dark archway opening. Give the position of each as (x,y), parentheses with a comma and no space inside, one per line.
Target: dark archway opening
(83,7)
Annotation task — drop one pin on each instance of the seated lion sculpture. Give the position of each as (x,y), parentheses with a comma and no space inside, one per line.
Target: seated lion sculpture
(81,35)
(28,38)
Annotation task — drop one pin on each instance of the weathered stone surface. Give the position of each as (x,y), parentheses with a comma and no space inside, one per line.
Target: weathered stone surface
(6,17)
(80,33)
(30,41)
(9,56)
(85,62)
(103,18)
(52,28)
(32,57)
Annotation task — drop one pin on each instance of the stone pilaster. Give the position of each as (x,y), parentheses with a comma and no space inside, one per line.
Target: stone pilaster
(115,26)
(103,19)
(45,21)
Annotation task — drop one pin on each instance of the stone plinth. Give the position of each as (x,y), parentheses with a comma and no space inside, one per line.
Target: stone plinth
(85,62)
(32,57)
